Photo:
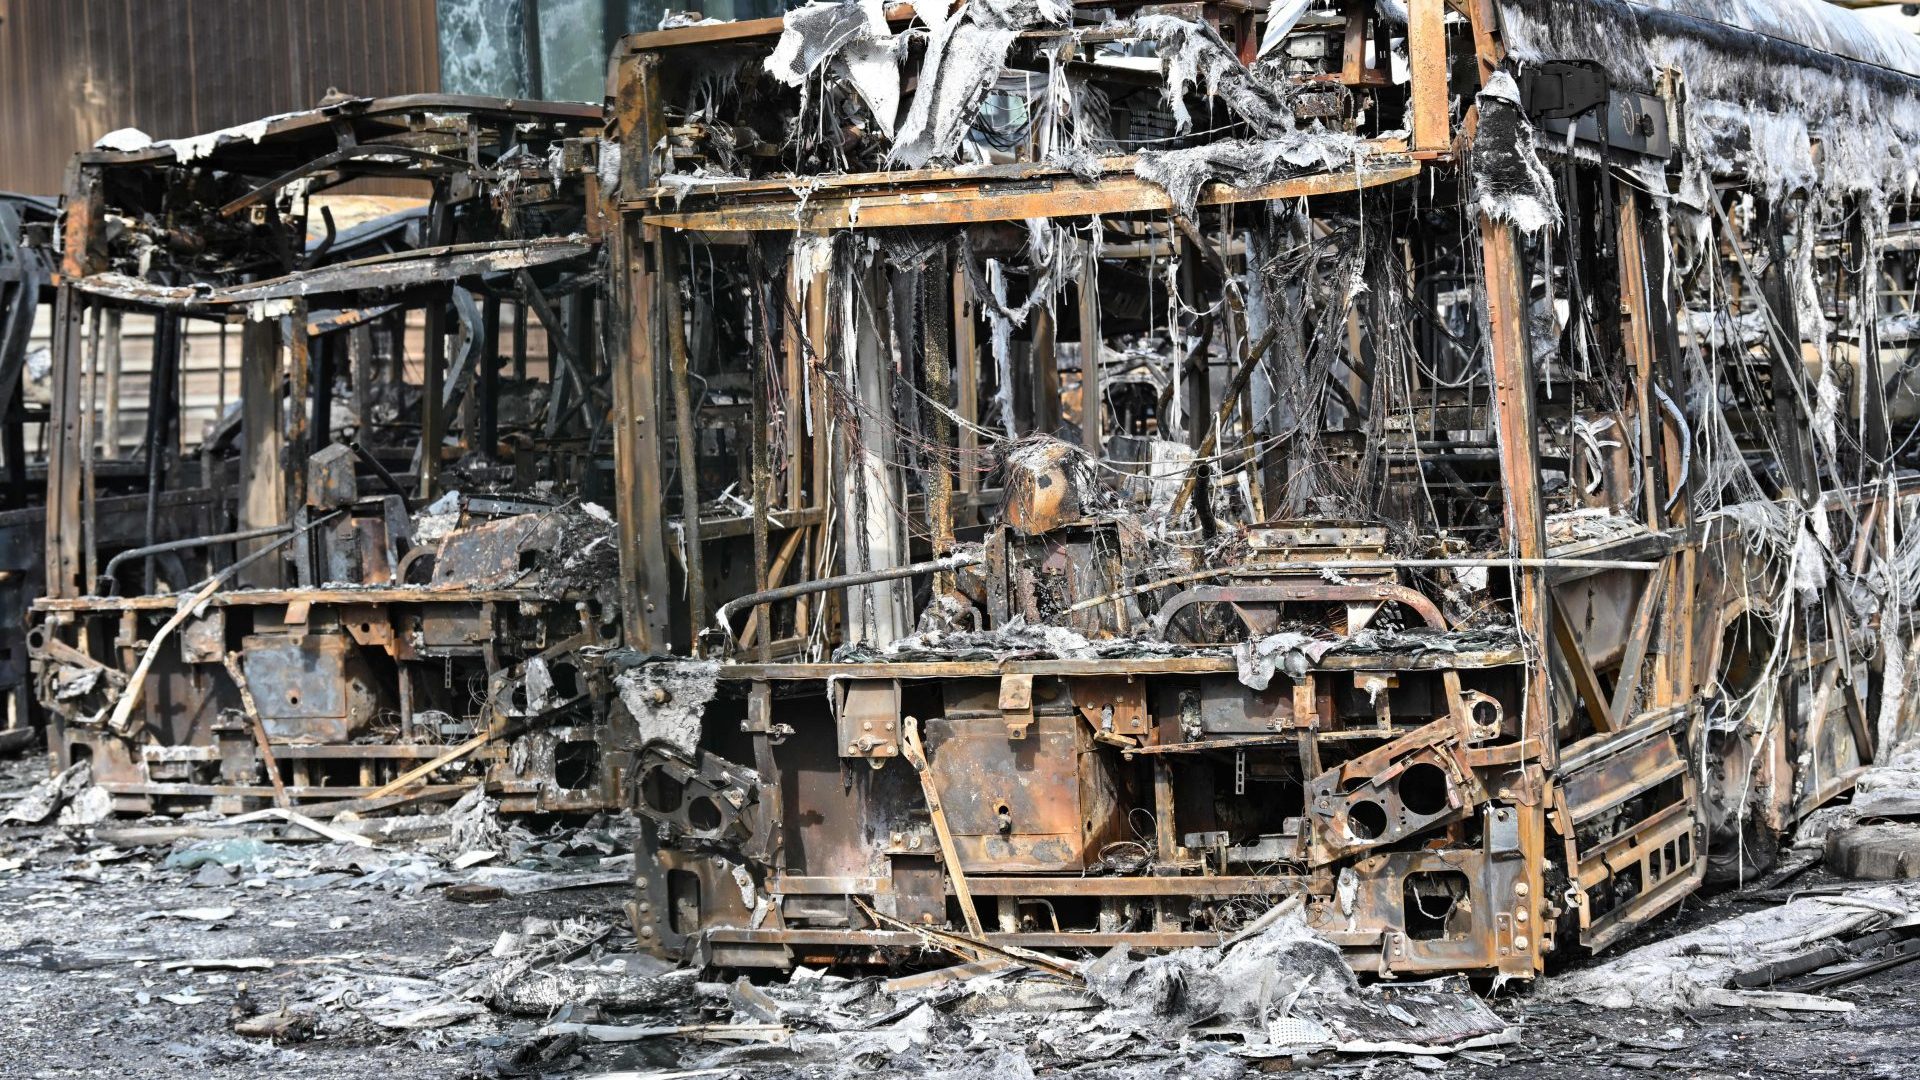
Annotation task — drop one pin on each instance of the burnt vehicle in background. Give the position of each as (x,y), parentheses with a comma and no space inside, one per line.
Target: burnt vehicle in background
(387,534)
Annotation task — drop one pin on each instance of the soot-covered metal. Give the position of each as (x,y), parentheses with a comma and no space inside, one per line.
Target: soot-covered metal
(1030,477)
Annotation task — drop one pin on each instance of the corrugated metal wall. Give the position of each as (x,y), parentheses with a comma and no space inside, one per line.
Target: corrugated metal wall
(73,70)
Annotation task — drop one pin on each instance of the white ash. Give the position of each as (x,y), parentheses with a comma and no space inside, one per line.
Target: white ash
(1682,972)
(667,700)
(1751,111)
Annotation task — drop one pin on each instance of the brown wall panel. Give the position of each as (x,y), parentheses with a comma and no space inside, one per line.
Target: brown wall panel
(73,70)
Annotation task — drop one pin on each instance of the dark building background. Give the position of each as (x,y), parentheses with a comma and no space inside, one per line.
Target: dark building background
(73,70)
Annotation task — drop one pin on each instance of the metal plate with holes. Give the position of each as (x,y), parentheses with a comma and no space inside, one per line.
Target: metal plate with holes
(868,719)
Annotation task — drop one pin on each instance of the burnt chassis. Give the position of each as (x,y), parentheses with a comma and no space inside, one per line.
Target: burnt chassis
(807,827)
(337,656)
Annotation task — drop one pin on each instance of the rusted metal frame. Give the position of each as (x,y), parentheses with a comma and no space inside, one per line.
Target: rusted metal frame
(1488,45)
(1791,412)
(833,605)
(439,230)
(1051,887)
(1166,835)
(1302,591)
(558,342)
(793,379)
(1427,82)
(1196,664)
(419,772)
(1613,925)
(1653,597)
(268,597)
(488,414)
(14,334)
(633,88)
(644,584)
(1046,405)
(680,363)
(1353,47)
(723,617)
(977,203)
(262,481)
(936,292)
(340,798)
(163,401)
(1586,683)
(1158,939)
(1674,659)
(744,30)
(966,353)
(394,109)
(1519,435)
(1878,435)
(1600,865)
(258,728)
(90,398)
(761,449)
(1637,336)
(916,756)
(1092,418)
(65,515)
(449,166)
(760,726)
(1306,719)
(294,434)
(376,275)
(1235,388)
(110,406)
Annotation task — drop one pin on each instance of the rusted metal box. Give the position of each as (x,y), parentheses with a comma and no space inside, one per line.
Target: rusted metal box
(309,686)
(1045,803)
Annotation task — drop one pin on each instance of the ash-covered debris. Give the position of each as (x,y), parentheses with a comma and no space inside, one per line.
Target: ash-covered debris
(965,51)
(1193,56)
(1715,965)
(69,797)
(1016,640)
(1050,482)
(1244,162)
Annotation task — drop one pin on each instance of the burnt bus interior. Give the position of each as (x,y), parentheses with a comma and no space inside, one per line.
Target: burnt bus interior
(1086,479)
(389,536)
(27,258)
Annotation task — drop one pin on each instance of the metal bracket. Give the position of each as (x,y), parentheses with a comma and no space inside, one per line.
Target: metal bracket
(1016,704)
(868,720)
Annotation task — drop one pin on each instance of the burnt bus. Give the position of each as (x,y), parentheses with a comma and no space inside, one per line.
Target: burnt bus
(1089,474)
(342,551)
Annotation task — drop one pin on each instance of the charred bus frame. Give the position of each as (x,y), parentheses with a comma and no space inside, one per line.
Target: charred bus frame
(314,613)
(1442,577)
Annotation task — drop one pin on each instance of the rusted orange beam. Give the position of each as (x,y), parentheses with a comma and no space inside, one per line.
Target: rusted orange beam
(960,204)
